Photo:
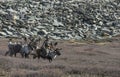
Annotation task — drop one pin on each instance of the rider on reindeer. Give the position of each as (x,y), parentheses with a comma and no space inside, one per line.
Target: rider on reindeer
(47,46)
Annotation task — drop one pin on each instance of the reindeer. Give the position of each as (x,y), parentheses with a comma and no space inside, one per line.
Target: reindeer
(41,53)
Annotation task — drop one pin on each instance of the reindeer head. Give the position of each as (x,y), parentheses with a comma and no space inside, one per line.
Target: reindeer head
(57,51)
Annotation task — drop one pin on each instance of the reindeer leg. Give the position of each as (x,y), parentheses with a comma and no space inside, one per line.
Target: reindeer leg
(38,57)
(11,53)
(7,52)
(15,54)
(22,54)
(26,56)
(34,56)
(50,60)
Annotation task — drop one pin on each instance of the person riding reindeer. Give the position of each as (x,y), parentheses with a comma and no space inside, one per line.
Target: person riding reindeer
(35,42)
(47,46)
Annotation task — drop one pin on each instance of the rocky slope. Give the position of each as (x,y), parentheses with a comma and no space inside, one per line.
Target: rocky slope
(62,19)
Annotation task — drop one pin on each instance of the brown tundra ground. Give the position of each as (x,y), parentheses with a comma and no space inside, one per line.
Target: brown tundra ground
(78,59)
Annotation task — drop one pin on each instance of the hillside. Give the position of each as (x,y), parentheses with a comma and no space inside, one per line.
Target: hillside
(62,19)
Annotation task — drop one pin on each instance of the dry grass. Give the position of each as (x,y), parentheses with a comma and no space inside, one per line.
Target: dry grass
(77,60)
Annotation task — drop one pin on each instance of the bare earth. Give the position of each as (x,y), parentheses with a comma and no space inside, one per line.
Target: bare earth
(77,59)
